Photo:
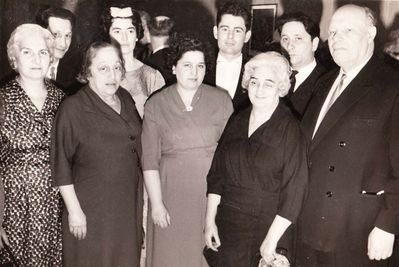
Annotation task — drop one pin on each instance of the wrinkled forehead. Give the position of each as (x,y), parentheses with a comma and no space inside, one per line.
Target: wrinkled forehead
(349,16)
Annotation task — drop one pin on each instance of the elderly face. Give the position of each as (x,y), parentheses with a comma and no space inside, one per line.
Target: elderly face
(105,72)
(33,57)
(298,43)
(351,37)
(190,70)
(124,32)
(62,32)
(231,35)
(263,87)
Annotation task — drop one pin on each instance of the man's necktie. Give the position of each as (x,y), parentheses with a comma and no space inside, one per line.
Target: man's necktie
(52,73)
(335,94)
(293,81)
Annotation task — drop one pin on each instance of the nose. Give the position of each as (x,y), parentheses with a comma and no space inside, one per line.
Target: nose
(194,71)
(62,42)
(113,74)
(37,58)
(230,34)
(124,37)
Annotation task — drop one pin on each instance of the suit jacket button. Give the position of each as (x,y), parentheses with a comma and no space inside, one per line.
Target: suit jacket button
(342,144)
(329,194)
(331,168)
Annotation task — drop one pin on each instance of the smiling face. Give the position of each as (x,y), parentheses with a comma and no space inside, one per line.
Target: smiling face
(62,32)
(263,87)
(231,35)
(190,70)
(298,43)
(124,32)
(105,72)
(33,57)
(351,37)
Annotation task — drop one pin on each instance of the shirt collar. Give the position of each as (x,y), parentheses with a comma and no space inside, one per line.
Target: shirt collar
(350,75)
(159,48)
(237,60)
(307,69)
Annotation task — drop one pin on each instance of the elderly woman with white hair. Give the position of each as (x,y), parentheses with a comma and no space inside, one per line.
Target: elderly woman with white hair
(258,178)
(32,220)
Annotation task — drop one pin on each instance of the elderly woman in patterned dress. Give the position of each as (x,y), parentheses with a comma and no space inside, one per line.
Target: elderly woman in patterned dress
(32,219)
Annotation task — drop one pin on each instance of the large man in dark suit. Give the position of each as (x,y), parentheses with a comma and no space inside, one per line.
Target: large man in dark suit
(300,38)
(351,214)
(232,31)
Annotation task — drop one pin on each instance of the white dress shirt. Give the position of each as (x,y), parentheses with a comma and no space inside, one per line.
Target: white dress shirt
(55,65)
(228,73)
(304,73)
(350,75)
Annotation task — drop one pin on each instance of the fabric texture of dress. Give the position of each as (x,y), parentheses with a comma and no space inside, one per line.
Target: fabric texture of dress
(180,144)
(97,150)
(32,215)
(141,83)
(257,178)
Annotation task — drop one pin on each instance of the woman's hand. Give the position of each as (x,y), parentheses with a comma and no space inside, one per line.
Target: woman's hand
(160,215)
(268,251)
(3,238)
(211,232)
(77,224)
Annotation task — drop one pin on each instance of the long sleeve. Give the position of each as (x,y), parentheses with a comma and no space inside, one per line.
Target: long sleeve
(294,174)
(63,146)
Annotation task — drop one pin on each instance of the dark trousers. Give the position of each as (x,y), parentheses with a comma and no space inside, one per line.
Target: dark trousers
(309,257)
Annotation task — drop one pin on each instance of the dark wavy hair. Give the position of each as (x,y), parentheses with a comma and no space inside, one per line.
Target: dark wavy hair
(45,12)
(310,25)
(180,43)
(90,53)
(160,26)
(237,9)
(107,20)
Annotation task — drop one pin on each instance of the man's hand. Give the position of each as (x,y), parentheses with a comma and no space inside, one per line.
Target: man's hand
(380,244)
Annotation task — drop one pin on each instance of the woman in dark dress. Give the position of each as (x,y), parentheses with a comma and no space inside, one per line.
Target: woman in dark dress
(258,177)
(95,162)
(32,206)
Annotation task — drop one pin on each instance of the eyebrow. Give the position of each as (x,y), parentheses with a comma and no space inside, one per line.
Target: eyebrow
(227,26)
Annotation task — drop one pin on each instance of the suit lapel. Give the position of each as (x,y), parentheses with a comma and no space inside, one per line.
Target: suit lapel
(357,88)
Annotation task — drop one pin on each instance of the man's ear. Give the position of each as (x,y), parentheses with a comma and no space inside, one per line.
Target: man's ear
(215,32)
(315,43)
(247,36)
(372,31)
(174,70)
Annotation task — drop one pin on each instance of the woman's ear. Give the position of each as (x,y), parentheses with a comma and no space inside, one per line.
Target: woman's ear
(13,63)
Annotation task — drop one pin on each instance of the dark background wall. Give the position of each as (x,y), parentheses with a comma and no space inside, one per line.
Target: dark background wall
(190,15)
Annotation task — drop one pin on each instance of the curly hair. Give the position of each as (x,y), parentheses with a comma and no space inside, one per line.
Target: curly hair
(24,31)
(91,53)
(180,43)
(274,60)
(107,20)
(237,9)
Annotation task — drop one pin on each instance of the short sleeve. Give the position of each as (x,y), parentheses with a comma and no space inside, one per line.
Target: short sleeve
(63,146)
(150,138)
(157,81)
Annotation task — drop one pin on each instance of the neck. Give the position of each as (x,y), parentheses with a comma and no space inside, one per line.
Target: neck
(32,86)
(263,112)
(131,63)
(230,57)
(158,41)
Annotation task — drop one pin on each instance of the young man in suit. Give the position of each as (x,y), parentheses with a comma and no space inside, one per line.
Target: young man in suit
(300,38)
(232,31)
(60,22)
(351,214)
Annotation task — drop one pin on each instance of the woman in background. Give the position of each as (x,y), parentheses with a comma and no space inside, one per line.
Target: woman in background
(122,24)
(258,178)
(95,162)
(32,218)
(181,128)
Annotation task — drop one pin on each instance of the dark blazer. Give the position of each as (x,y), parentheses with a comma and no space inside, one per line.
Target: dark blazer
(67,71)
(158,61)
(300,99)
(240,99)
(356,148)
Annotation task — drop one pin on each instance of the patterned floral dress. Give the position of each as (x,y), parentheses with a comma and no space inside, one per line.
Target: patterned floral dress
(32,218)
